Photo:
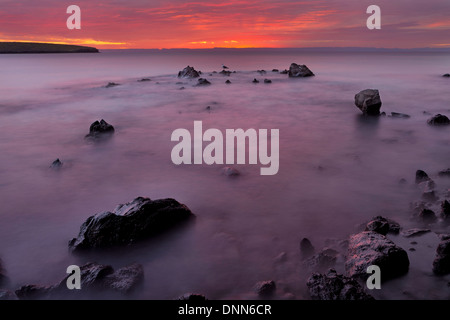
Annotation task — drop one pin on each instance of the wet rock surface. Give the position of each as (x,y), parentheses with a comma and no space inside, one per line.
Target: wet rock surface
(334,286)
(100,129)
(439,120)
(441,264)
(299,71)
(130,222)
(369,102)
(371,248)
(189,73)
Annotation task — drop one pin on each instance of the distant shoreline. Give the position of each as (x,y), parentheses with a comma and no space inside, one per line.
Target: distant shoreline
(32,47)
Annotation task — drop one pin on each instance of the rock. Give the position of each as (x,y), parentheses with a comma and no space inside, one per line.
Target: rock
(439,120)
(415,232)
(3,278)
(368,101)
(230,172)
(445,210)
(400,115)
(421,176)
(429,195)
(285,71)
(299,71)
(56,164)
(447,75)
(427,216)
(306,248)
(100,129)
(444,173)
(130,222)
(95,279)
(192,297)
(126,279)
(322,261)
(371,248)
(7,295)
(383,225)
(261,72)
(265,288)
(112,84)
(255,81)
(225,73)
(188,72)
(275,70)
(203,82)
(333,286)
(144,80)
(228,82)
(267,81)
(441,264)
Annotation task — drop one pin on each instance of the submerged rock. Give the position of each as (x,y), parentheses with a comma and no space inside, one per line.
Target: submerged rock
(100,129)
(267,81)
(230,172)
(144,80)
(56,164)
(203,82)
(415,232)
(228,82)
(306,248)
(112,84)
(322,261)
(383,225)
(400,115)
(130,222)
(445,210)
(371,248)
(369,102)
(299,71)
(441,264)
(265,288)
(275,70)
(427,216)
(447,75)
(255,81)
(95,279)
(225,73)
(261,72)
(333,286)
(439,120)
(188,72)
(444,173)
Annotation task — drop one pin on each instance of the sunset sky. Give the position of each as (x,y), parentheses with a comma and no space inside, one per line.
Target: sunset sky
(234,23)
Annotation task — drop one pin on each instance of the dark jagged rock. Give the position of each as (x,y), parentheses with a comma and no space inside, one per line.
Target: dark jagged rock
(369,102)
(447,75)
(188,72)
(441,264)
(415,232)
(333,286)
(95,279)
(112,84)
(421,176)
(444,173)
(225,73)
(230,172)
(306,248)
(100,129)
(439,120)
(322,261)
(445,210)
(7,295)
(130,222)
(255,81)
(383,225)
(228,82)
(192,297)
(299,71)
(3,278)
(267,81)
(400,115)
(265,288)
(144,80)
(427,216)
(371,248)
(275,70)
(203,82)
(56,164)
(261,72)
(285,71)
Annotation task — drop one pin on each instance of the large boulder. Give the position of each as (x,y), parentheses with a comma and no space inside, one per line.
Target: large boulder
(445,210)
(439,120)
(333,286)
(369,101)
(130,222)
(96,279)
(299,71)
(188,72)
(100,129)
(372,248)
(441,264)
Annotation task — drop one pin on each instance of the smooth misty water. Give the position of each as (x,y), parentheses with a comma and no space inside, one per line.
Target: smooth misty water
(337,169)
